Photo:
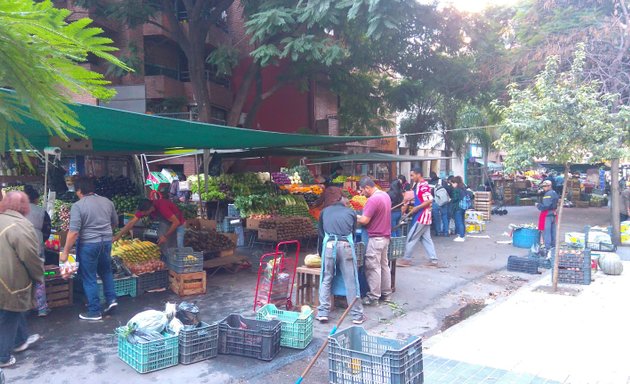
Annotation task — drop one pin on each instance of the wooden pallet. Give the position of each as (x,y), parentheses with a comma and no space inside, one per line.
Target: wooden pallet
(58,292)
(186,284)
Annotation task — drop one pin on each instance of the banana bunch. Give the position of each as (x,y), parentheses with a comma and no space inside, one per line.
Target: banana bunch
(135,251)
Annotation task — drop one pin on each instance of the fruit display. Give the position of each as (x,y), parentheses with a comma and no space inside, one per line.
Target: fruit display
(207,241)
(135,251)
(358,202)
(109,186)
(290,227)
(61,217)
(311,199)
(303,189)
(146,267)
(125,204)
(280,178)
(340,179)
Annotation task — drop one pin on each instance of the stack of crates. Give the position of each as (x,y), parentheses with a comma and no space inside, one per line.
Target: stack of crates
(124,286)
(355,357)
(574,265)
(186,274)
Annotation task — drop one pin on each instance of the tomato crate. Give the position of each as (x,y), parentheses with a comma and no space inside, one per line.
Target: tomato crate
(58,292)
(149,356)
(200,343)
(150,281)
(125,286)
(355,357)
(184,260)
(297,327)
(186,284)
(258,339)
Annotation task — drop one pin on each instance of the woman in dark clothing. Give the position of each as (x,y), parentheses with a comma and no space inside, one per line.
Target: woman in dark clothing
(396,195)
(459,191)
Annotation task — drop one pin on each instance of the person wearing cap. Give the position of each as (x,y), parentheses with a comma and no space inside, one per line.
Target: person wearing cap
(547,218)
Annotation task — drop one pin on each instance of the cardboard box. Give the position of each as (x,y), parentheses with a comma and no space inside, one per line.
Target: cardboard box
(198,224)
(252,223)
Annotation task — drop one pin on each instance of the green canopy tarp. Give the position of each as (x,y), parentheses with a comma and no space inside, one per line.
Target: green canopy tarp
(374,157)
(112,130)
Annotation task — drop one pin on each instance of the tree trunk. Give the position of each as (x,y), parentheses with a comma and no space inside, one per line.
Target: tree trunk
(615,201)
(556,260)
(485,166)
(241,95)
(197,69)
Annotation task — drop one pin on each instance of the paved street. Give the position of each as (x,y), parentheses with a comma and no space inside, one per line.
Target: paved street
(471,273)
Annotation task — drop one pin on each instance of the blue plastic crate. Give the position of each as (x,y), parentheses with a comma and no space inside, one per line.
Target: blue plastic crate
(525,237)
(125,286)
(226,225)
(149,356)
(233,211)
(297,327)
(355,357)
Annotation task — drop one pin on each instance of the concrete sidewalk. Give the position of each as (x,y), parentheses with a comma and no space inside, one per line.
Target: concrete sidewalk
(580,335)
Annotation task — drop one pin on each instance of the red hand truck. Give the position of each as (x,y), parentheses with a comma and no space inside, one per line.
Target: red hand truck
(276,277)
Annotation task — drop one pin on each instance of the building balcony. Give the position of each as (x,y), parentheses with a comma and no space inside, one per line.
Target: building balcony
(162,86)
(216,36)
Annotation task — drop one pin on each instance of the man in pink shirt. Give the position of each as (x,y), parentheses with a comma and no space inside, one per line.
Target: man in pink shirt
(377,219)
(420,231)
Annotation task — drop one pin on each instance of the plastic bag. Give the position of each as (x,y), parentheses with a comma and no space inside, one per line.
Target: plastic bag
(175,326)
(188,314)
(148,321)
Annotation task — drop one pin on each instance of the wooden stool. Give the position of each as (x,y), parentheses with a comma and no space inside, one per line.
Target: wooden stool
(307,286)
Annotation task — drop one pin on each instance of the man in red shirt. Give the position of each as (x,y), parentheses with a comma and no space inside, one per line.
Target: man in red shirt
(420,231)
(377,219)
(171,228)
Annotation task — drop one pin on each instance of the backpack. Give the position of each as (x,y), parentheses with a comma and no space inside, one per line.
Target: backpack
(466,201)
(441,195)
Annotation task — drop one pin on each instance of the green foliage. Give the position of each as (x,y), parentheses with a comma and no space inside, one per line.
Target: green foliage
(258,204)
(562,118)
(39,56)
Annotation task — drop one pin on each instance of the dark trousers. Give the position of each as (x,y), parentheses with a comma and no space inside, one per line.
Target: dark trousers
(95,258)
(13,332)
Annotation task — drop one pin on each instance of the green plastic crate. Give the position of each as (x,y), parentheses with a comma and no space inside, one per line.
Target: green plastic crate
(150,356)
(125,286)
(297,329)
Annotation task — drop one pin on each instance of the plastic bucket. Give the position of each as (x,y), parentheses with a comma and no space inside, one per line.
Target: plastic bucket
(525,237)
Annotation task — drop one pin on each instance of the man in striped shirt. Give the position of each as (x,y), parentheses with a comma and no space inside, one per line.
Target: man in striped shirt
(420,231)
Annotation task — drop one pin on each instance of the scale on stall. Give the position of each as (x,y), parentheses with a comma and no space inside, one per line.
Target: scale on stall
(151,232)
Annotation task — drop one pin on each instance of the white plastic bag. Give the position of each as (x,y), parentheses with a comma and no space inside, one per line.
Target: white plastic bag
(148,321)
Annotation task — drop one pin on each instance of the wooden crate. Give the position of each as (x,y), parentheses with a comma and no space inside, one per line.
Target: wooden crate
(58,292)
(226,253)
(251,223)
(186,284)
(483,196)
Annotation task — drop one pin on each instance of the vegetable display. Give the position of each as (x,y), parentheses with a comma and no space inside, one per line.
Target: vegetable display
(358,202)
(207,241)
(258,204)
(139,256)
(290,227)
(280,178)
(61,217)
(125,204)
(303,173)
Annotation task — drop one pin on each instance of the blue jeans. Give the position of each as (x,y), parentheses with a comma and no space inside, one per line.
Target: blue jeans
(460,228)
(13,332)
(396,215)
(95,258)
(440,219)
(444,219)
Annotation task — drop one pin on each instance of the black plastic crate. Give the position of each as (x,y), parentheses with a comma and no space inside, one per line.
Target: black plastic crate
(250,338)
(150,281)
(572,258)
(522,264)
(200,343)
(574,276)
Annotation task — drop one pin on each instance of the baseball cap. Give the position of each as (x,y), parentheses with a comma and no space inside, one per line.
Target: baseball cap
(546,183)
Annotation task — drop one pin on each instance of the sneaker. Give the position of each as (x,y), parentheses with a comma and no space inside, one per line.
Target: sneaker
(360,320)
(403,263)
(90,316)
(322,319)
(43,312)
(32,339)
(387,299)
(433,262)
(110,307)
(367,301)
(9,363)
(459,239)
